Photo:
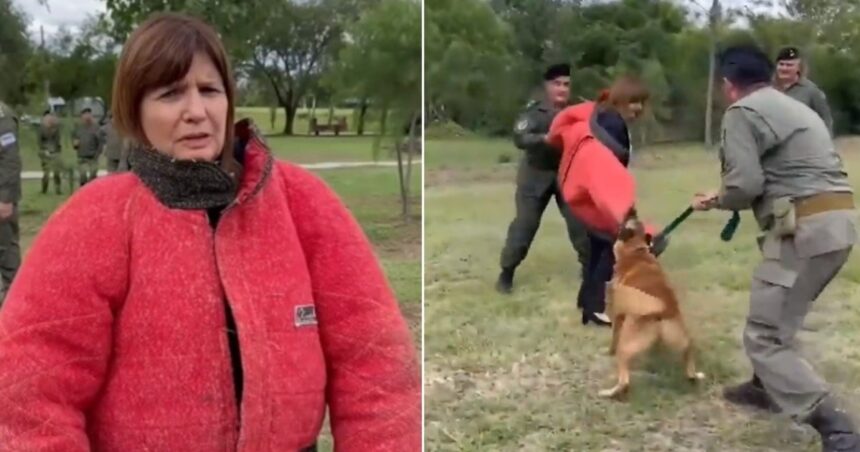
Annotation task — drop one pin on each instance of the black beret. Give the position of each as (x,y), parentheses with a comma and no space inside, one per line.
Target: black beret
(86,110)
(745,66)
(556,70)
(46,113)
(788,53)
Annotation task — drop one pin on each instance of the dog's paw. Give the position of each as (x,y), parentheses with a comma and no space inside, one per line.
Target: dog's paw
(698,376)
(613,393)
(607,393)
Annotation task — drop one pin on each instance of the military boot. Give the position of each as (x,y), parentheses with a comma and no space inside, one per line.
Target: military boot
(750,394)
(835,426)
(505,283)
(57,183)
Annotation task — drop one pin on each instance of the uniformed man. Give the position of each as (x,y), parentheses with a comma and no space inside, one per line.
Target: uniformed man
(779,160)
(10,194)
(113,144)
(49,151)
(790,80)
(536,177)
(87,141)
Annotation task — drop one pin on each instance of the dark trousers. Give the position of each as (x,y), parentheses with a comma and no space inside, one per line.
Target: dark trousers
(592,292)
(535,189)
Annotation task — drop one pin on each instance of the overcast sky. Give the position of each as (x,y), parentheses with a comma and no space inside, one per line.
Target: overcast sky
(70,13)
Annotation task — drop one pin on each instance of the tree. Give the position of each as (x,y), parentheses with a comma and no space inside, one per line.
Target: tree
(291,49)
(81,64)
(288,43)
(382,61)
(473,75)
(14,53)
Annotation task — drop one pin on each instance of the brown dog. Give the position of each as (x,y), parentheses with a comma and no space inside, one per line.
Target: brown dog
(642,305)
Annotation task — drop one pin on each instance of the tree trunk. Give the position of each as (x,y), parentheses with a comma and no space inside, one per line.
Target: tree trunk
(714,18)
(290,113)
(362,112)
(709,104)
(406,186)
(404,199)
(378,140)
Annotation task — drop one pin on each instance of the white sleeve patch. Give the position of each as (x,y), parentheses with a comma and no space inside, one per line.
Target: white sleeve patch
(7,139)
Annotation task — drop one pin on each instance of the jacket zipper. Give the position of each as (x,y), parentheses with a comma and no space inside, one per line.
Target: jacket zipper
(226,300)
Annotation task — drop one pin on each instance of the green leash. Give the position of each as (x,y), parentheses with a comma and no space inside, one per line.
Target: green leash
(730,227)
(726,235)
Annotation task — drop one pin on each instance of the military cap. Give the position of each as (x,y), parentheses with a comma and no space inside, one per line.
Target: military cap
(745,66)
(788,53)
(46,113)
(86,110)
(556,71)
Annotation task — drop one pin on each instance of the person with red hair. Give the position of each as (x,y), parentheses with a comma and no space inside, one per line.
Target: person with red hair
(594,180)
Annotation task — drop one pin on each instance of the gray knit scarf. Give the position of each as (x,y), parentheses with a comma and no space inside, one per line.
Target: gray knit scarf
(182,184)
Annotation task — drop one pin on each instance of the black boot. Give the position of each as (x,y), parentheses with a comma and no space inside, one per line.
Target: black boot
(750,394)
(505,282)
(835,426)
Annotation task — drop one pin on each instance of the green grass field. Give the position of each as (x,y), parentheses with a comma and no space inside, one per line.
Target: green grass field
(519,372)
(299,148)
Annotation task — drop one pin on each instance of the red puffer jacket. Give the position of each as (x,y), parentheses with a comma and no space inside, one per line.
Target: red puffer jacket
(596,186)
(112,337)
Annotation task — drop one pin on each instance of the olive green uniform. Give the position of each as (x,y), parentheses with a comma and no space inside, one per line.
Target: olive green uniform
(536,185)
(89,146)
(10,192)
(49,155)
(113,147)
(812,96)
(775,150)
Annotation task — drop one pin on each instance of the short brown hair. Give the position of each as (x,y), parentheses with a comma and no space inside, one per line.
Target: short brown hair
(159,52)
(625,90)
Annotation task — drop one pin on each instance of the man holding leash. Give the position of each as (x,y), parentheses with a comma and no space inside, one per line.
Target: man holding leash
(778,159)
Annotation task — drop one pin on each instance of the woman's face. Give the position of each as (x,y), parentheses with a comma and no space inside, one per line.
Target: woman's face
(632,111)
(186,120)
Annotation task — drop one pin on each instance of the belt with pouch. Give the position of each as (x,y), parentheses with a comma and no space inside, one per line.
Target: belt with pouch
(786,211)
(823,202)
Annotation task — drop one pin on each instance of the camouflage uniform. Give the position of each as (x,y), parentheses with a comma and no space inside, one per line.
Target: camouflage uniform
(89,147)
(49,155)
(10,193)
(113,147)
(536,185)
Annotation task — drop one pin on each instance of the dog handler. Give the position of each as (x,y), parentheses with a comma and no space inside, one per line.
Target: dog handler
(778,159)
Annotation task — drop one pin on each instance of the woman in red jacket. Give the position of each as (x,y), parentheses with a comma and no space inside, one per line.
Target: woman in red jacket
(594,179)
(213,299)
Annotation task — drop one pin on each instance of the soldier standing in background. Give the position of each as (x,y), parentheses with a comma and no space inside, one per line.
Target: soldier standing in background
(778,159)
(49,152)
(537,177)
(10,195)
(113,144)
(87,141)
(790,80)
